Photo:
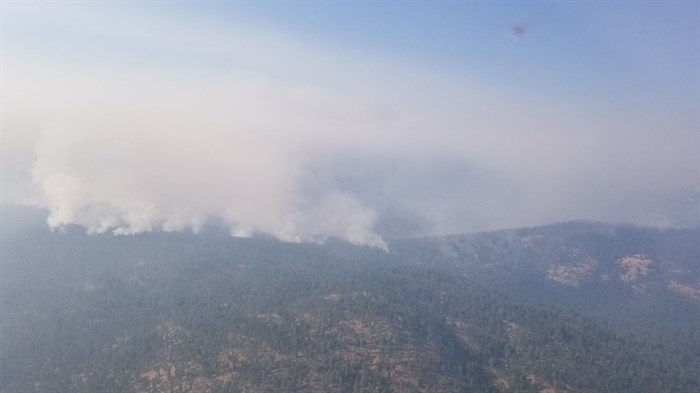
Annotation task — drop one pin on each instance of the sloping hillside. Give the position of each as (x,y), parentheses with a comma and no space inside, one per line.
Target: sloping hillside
(627,274)
(528,310)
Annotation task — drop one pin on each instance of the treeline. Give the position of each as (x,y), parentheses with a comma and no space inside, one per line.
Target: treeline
(178,313)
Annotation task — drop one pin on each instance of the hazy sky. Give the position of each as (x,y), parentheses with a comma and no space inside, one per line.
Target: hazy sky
(360,120)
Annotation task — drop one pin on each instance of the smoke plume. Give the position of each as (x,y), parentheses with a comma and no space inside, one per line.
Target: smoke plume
(164,125)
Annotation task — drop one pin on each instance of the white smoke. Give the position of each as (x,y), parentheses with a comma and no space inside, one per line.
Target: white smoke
(163,125)
(134,157)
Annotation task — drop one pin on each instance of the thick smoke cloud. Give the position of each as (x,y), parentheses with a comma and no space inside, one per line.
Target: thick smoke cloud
(304,143)
(145,156)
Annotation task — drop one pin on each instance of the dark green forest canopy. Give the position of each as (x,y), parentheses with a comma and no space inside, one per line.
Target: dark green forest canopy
(572,307)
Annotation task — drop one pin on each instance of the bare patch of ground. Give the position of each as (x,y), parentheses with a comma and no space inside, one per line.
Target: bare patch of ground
(572,275)
(636,267)
(684,290)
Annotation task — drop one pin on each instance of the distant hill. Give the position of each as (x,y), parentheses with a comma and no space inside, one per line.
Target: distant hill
(621,272)
(570,307)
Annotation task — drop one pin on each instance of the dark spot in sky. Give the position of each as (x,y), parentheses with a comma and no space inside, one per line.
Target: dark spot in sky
(519,30)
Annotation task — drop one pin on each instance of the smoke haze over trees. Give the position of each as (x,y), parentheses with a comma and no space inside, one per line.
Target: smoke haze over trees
(130,118)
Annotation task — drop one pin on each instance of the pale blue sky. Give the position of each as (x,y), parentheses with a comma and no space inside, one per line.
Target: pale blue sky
(641,53)
(623,49)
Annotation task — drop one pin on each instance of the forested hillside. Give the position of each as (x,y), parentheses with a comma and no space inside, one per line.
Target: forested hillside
(632,275)
(574,307)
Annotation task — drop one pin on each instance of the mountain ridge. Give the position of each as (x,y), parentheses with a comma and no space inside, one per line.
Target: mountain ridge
(486,312)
